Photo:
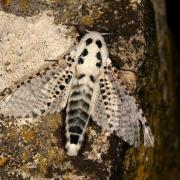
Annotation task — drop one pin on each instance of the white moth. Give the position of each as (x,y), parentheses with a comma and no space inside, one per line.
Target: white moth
(87,83)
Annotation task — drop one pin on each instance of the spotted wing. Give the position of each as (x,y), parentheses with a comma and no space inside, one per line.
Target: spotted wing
(116,110)
(46,92)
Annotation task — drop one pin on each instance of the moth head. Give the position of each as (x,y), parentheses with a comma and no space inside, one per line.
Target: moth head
(93,36)
(95,40)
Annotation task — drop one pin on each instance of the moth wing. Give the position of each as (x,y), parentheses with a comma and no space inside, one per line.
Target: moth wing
(117,111)
(46,92)
(99,113)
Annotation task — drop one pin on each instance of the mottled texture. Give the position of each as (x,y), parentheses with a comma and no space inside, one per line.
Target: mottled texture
(27,43)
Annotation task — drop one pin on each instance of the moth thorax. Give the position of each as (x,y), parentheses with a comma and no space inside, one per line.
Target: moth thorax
(88,67)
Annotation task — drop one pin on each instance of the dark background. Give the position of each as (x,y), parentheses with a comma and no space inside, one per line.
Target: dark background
(173,19)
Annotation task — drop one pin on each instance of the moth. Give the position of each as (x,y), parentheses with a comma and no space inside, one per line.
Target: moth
(86,83)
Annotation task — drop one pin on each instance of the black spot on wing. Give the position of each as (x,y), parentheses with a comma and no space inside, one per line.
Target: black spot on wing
(61,87)
(108,116)
(57,92)
(42,111)
(102,91)
(69,58)
(67,80)
(101,85)
(110,125)
(104,96)
(99,43)
(49,103)
(88,41)
(85,52)
(34,114)
(105,103)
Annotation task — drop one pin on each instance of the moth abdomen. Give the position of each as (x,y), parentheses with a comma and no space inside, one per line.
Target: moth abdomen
(77,117)
(73,104)
(75,129)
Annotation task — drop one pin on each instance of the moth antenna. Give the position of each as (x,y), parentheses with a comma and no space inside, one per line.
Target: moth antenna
(52,60)
(105,34)
(81,30)
(5,91)
(122,69)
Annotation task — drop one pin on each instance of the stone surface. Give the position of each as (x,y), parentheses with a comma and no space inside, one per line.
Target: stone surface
(31,31)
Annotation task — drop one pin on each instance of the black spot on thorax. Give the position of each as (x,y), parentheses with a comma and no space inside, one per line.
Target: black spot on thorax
(99,58)
(98,65)
(99,43)
(85,52)
(98,55)
(88,41)
(81,76)
(80,61)
(91,77)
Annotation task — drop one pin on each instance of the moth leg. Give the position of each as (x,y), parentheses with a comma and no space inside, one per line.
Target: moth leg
(5,92)
(109,65)
(52,60)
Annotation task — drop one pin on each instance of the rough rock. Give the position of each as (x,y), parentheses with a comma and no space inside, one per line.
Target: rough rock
(32,31)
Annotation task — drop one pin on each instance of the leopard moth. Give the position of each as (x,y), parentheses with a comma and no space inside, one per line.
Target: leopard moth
(87,83)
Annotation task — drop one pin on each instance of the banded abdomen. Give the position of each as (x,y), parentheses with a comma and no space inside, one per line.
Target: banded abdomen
(78,113)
